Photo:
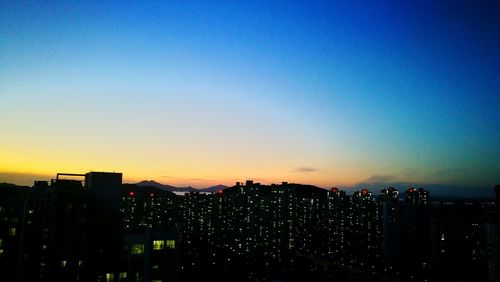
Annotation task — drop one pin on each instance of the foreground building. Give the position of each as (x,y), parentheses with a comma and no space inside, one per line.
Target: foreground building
(71,230)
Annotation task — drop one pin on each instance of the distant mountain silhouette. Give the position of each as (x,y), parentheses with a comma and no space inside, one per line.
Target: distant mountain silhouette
(10,185)
(166,187)
(214,188)
(127,188)
(152,183)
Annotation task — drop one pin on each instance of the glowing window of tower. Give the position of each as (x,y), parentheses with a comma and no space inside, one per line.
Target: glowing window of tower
(171,244)
(158,245)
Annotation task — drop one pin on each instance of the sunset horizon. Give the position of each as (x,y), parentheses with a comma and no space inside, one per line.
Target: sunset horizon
(331,94)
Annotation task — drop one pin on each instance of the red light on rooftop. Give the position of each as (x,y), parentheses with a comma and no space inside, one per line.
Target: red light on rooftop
(364,191)
(131,193)
(219,192)
(151,195)
(334,189)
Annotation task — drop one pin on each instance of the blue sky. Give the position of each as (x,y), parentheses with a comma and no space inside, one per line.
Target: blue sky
(206,92)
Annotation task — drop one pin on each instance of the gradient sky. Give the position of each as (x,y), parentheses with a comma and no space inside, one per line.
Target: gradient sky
(201,93)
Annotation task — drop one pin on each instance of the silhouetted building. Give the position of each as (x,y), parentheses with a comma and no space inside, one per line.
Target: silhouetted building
(14,213)
(461,241)
(406,231)
(107,188)
(365,228)
(150,256)
(65,231)
(417,197)
(144,208)
(389,195)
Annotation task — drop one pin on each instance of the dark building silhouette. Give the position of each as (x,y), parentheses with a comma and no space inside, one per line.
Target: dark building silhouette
(149,256)
(14,215)
(65,230)
(365,228)
(51,234)
(106,186)
(406,231)
(416,197)
(463,243)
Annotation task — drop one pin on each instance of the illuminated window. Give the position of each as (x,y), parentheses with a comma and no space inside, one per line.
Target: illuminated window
(123,275)
(64,263)
(137,249)
(158,245)
(110,277)
(1,242)
(171,244)
(12,231)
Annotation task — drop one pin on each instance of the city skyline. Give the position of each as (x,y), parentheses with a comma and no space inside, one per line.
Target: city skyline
(375,185)
(197,94)
(96,228)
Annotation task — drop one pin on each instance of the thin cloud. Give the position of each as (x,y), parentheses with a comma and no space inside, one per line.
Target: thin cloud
(304,169)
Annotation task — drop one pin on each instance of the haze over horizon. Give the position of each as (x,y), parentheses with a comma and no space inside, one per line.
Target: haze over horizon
(199,94)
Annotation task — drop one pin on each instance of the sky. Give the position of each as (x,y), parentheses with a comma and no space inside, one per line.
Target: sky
(335,93)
